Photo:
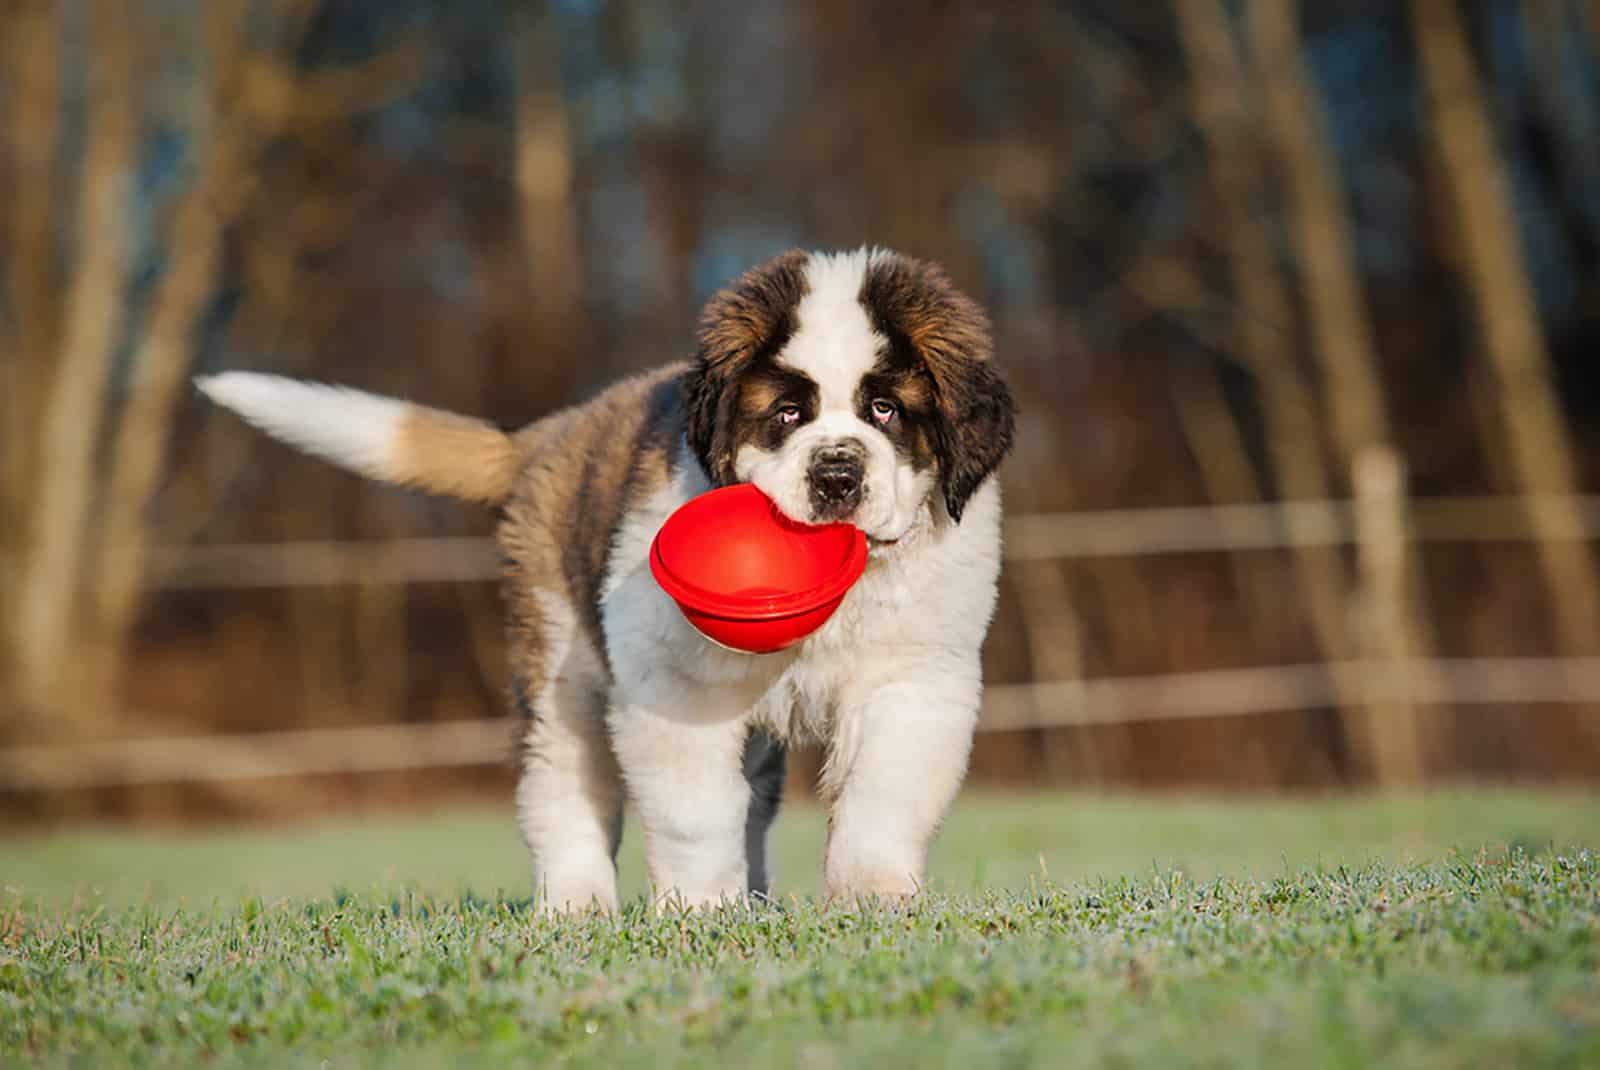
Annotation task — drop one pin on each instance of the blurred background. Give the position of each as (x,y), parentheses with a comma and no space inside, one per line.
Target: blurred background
(1300,301)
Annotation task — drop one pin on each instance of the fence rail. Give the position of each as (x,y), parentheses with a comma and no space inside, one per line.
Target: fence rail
(1029,537)
(1110,700)
(1117,700)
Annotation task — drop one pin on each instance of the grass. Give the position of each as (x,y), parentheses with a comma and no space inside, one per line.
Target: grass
(1441,930)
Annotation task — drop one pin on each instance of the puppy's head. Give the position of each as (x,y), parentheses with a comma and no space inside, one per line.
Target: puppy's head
(855,387)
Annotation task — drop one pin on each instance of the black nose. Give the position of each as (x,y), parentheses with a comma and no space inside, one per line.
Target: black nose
(835,476)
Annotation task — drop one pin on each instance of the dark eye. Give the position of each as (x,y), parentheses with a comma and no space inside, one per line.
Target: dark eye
(788,414)
(884,410)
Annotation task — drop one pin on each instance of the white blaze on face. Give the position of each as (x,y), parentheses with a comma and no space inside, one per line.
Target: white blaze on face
(834,341)
(835,345)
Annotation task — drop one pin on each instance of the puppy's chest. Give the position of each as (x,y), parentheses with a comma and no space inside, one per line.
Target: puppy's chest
(799,704)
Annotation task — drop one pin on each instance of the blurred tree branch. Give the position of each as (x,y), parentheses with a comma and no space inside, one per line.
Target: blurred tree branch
(1541,450)
(249,101)
(276,94)
(1320,228)
(163,353)
(1215,438)
(46,607)
(31,129)
(546,213)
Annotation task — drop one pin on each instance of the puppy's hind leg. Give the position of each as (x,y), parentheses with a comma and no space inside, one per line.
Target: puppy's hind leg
(569,799)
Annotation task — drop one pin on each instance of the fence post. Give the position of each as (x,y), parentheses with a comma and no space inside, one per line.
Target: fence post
(1388,647)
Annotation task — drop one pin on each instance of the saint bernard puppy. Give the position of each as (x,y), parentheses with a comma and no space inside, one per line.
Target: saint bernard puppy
(849,387)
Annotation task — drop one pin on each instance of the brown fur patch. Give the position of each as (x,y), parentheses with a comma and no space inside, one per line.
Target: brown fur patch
(757,396)
(914,392)
(586,468)
(744,324)
(443,453)
(926,320)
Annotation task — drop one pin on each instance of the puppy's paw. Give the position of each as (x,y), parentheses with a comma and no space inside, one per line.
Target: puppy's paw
(576,897)
(872,886)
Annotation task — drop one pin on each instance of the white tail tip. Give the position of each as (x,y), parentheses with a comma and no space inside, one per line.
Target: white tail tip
(354,430)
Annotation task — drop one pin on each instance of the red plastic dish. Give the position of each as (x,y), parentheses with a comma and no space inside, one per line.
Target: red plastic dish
(747,576)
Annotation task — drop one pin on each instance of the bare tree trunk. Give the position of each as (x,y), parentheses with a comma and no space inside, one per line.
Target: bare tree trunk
(1325,251)
(1266,317)
(1229,477)
(248,101)
(165,352)
(1321,232)
(1542,453)
(545,212)
(48,602)
(1491,429)
(32,34)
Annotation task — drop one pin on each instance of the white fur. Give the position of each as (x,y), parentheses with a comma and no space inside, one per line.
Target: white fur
(833,340)
(569,799)
(682,756)
(834,343)
(353,429)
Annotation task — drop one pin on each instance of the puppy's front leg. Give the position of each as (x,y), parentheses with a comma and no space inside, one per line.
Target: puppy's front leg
(685,778)
(897,759)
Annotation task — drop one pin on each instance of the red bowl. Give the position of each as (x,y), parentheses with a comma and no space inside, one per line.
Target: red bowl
(747,576)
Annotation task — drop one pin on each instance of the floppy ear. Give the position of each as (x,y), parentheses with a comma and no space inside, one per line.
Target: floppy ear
(709,404)
(977,423)
(752,317)
(915,301)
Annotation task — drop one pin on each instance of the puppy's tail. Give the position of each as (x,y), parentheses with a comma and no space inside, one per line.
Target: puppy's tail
(381,438)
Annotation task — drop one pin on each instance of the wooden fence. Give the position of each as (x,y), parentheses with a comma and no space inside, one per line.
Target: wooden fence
(1390,681)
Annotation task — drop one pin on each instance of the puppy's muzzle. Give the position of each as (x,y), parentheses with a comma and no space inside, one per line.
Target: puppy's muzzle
(836,478)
